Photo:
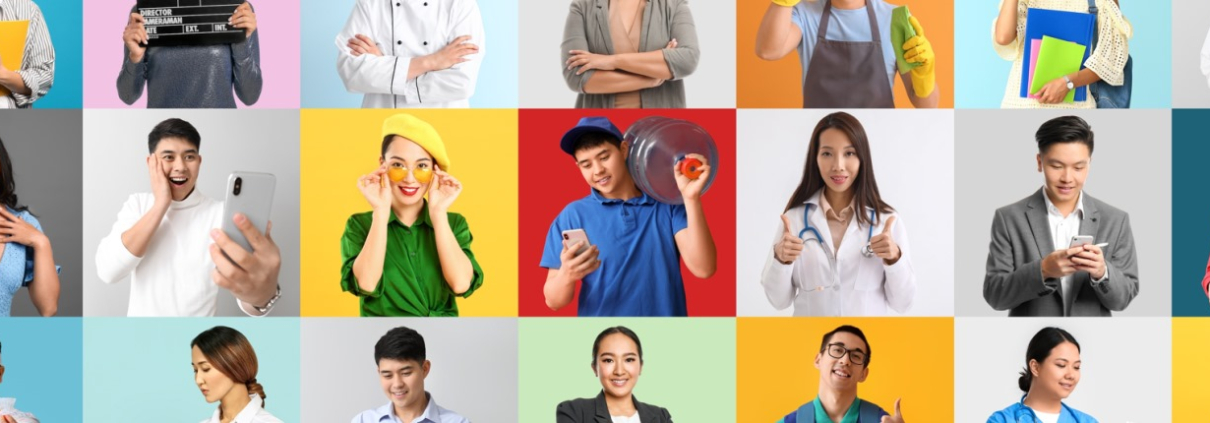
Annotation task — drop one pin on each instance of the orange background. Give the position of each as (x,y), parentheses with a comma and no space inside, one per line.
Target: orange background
(912,358)
(762,84)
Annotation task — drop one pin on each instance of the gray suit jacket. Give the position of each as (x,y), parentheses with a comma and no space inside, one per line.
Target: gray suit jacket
(587,28)
(1021,238)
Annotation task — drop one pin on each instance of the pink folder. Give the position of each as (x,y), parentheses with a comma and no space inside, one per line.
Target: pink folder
(1035,45)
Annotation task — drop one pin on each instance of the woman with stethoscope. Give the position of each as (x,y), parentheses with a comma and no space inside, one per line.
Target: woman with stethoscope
(827,258)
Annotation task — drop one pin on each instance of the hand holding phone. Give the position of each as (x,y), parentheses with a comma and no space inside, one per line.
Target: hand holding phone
(583,260)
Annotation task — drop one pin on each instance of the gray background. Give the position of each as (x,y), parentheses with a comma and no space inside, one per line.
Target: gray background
(1125,376)
(1130,170)
(115,143)
(712,85)
(1190,22)
(914,177)
(474,366)
(44,146)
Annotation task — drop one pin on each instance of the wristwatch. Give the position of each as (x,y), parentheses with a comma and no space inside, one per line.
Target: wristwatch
(269,306)
(1070,85)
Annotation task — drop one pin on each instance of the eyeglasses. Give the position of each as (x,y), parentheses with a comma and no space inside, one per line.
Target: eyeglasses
(837,350)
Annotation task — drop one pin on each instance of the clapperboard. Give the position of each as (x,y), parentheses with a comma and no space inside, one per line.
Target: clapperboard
(189,22)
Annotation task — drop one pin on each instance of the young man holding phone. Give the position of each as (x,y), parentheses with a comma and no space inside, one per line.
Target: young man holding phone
(1038,263)
(634,267)
(168,244)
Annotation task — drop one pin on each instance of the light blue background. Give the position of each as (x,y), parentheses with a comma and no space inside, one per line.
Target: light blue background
(64,20)
(141,366)
(322,87)
(980,75)
(42,366)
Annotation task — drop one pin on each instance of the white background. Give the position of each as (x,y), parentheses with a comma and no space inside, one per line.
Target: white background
(913,156)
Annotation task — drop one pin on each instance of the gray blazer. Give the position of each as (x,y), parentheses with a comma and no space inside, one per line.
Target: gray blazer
(587,28)
(1021,238)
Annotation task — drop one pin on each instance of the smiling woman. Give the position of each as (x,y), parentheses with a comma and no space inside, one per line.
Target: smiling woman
(26,258)
(617,360)
(1052,371)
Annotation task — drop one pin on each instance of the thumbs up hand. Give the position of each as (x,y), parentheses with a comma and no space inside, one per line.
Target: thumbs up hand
(884,245)
(894,418)
(789,247)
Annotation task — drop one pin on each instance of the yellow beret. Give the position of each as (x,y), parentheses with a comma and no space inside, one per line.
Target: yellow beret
(419,132)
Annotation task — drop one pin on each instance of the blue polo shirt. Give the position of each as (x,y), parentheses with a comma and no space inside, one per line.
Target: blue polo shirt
(640,273)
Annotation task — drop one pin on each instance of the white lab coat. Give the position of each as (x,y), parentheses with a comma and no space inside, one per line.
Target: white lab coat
(867,286)
(410,30)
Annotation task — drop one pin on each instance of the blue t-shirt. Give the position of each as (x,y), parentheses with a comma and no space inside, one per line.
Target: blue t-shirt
(640,272)
(16,265)
(845,25)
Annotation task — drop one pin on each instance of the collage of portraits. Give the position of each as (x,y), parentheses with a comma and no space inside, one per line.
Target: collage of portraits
(434,211)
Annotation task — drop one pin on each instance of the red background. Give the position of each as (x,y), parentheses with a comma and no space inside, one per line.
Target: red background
(549,180)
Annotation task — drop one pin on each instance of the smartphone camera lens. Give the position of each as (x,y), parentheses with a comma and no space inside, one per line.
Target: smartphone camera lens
(565,237)
(239,183)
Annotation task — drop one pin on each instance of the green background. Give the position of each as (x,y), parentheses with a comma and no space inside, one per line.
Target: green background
(688,365)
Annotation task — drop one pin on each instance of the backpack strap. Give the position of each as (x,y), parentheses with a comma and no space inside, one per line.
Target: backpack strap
(1096,29)
(804,414)
(869,412)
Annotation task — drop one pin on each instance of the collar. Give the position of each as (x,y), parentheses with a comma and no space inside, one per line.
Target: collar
(639,408)
(642,200)
(193,199)
(423,219)
(1024,410)
(432,413)
(254,406)
(842,215)
(850,416)
(1052,209)
(818,200)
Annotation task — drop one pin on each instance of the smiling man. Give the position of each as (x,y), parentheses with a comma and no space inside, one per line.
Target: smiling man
(843,362)
(634,267)
(167,243)
(402,368)
(1034,265)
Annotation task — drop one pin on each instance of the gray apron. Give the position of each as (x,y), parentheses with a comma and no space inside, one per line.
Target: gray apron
(847,74)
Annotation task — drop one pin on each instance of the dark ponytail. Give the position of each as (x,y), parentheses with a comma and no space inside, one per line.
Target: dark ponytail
(1039,348)
(231,354)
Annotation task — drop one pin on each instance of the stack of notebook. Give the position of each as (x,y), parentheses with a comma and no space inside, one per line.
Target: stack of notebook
(1057,43)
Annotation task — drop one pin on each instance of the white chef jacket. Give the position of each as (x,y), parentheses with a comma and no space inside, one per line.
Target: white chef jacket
(403,30)
(859,286)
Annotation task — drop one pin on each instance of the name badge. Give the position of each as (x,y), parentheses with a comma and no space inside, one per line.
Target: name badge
(189,22)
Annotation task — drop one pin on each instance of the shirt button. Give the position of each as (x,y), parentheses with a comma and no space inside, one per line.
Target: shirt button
(426,3)
(426,43)
(399,42)
(396,4)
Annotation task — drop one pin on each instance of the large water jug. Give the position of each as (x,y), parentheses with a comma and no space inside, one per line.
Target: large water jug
(659,144)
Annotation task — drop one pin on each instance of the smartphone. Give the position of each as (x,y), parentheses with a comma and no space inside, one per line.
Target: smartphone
(570,236)
(1080,240)
(250,193)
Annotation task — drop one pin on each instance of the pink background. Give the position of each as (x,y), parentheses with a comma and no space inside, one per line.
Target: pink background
(277,22)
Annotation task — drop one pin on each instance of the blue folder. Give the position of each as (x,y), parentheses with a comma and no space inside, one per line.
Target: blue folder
(1075,27)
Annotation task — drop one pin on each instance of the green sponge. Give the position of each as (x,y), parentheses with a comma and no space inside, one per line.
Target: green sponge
(901,31)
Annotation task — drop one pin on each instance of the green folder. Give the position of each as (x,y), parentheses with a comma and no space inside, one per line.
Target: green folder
(901,31)
(1055,59)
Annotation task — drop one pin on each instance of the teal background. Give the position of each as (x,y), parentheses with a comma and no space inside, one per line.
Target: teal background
(141,366)
(42,366)
(65,21)
(688,365)
(980,75)
(1191,228)
(322,87)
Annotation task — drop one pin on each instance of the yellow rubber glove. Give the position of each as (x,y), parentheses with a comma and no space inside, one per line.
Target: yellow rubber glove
(918,50)
(786,3)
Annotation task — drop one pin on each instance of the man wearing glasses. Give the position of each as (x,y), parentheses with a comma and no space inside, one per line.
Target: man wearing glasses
(843,362)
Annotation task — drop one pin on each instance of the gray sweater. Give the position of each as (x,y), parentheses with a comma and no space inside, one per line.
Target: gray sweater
(587,28)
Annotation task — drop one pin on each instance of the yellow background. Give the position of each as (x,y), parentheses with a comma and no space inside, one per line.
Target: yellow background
(338,146)
(1190,368)
(912,358)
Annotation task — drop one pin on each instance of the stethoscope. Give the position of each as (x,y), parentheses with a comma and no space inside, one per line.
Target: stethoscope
(865,251)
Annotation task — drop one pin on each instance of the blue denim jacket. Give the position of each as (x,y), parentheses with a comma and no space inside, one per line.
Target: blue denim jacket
(1019,413)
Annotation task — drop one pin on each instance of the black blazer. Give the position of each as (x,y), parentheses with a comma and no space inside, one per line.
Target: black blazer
(594,410)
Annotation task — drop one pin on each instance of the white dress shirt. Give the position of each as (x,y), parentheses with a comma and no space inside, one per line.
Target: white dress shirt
(173,276)
(433,413)
(254,412)
(624,419)
(846,283)
(8,408)
(1062,229)
(405,30)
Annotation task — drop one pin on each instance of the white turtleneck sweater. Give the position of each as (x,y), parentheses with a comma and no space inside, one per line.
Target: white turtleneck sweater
(173,277)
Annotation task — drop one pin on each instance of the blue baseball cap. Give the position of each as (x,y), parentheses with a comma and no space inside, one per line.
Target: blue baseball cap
(585,126)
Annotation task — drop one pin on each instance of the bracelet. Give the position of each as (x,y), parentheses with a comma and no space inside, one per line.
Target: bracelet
(269,306)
